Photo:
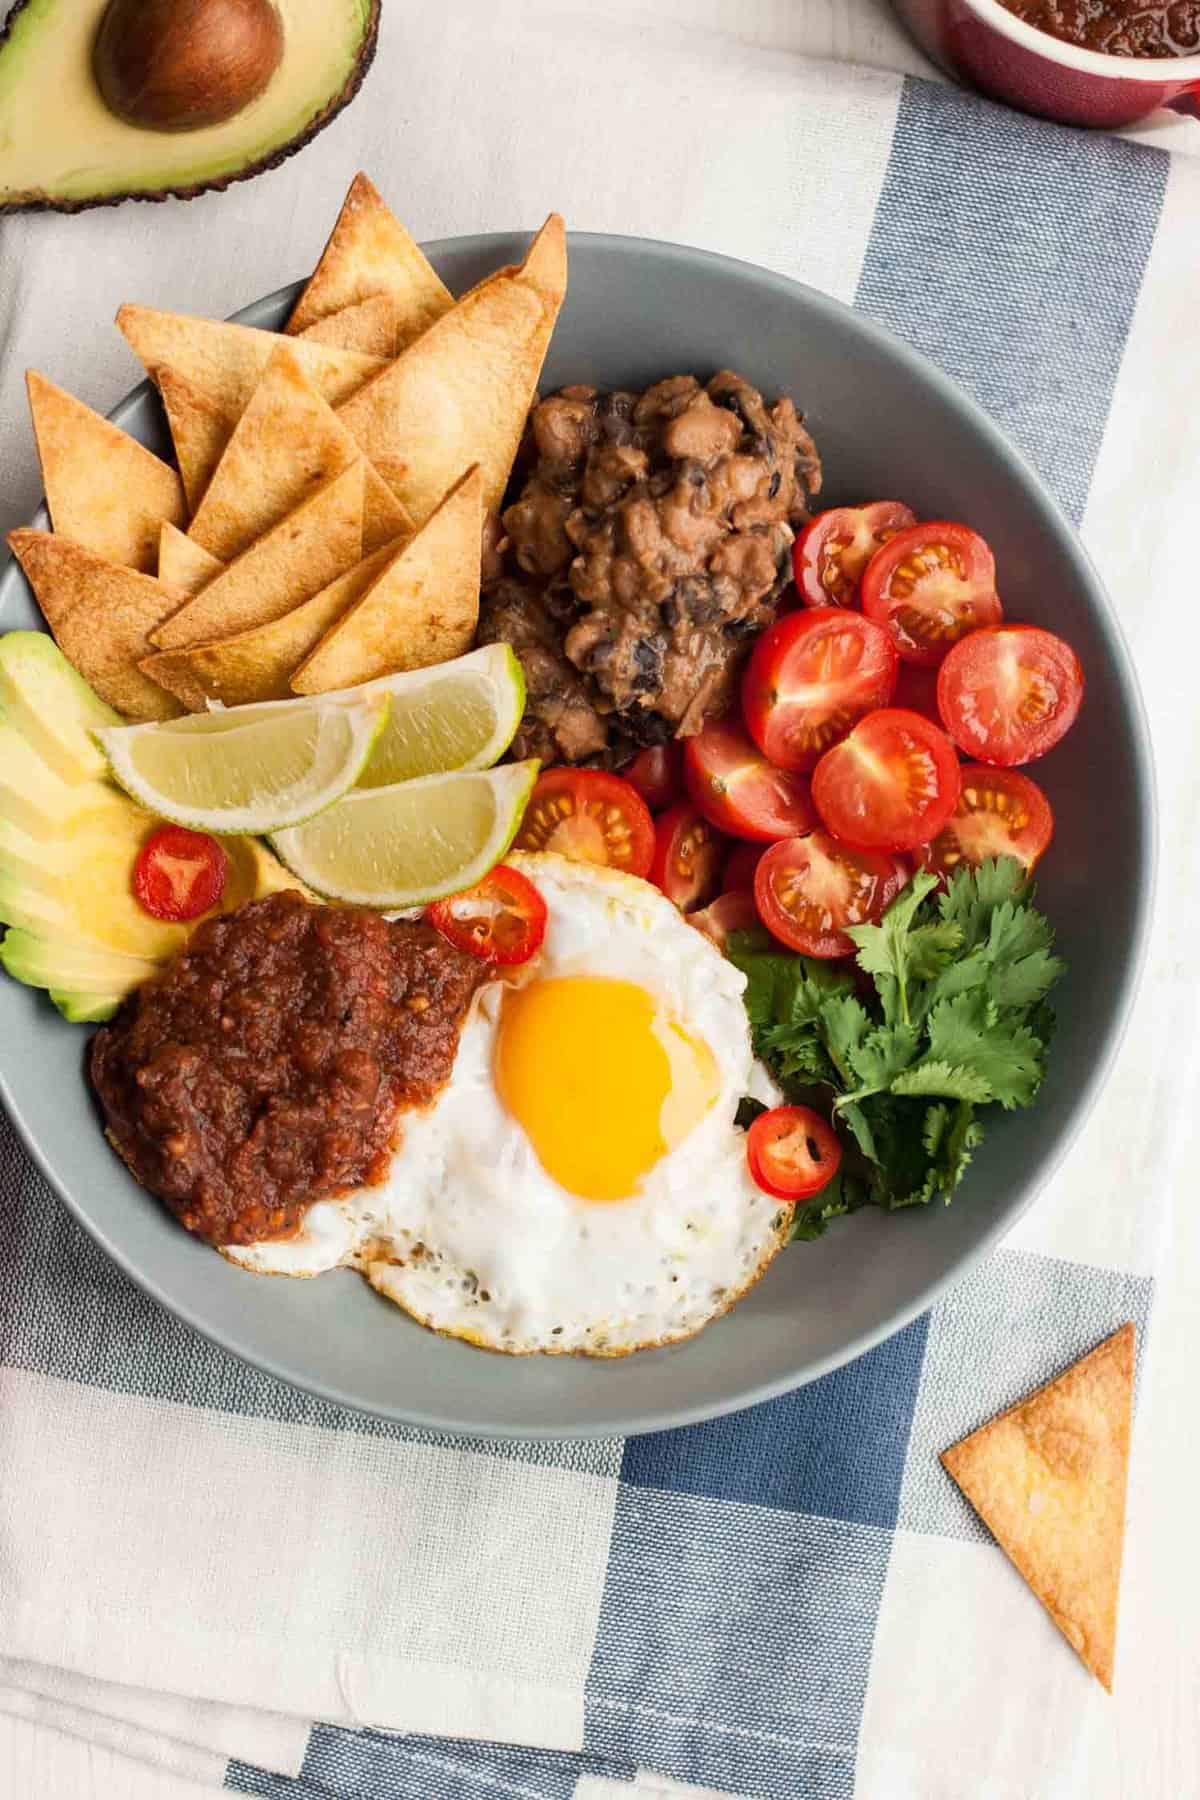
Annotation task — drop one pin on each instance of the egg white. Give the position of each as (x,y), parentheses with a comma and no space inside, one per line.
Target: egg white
(471,1235)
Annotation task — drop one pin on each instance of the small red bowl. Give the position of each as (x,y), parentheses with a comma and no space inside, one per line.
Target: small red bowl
(981,42)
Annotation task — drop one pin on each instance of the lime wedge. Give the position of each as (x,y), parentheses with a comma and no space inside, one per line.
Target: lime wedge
(415,841)
(250,769)
(457,715)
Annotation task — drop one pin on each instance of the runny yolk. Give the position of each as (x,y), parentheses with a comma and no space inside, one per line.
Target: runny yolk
(602,1079)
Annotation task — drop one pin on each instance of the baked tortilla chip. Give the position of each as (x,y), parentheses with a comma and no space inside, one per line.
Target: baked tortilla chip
(372,326)
(462,392)
(226,361)
(199,431)
(287,443)
(101,615)
(422,609)
(300,556)
(368,253)
(1048,1479)
(258,664)
(184,566)
(104,489)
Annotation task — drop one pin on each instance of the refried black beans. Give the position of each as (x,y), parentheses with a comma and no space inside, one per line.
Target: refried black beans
(641,555)
(266,1067)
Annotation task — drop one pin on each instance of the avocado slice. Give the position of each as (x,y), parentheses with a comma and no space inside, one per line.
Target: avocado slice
(64,149)
(82,968)
(52,706)
(85,1009)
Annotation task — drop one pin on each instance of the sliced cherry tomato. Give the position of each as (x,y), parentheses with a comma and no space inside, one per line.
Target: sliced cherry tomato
(738,874)
(739,791)
(792,1152)
(916,691)
(834,548)
(657,774)
(591,817)
(688,853)
(809,889)
(1000,812)
(930,585)
(500,920)
(812,676)
(179,874)
(1009,694)
(891,785)
(729,912)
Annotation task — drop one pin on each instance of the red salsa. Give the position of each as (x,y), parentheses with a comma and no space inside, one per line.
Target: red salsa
(1117,27)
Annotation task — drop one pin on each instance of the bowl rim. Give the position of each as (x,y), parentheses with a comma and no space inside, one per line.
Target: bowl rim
(1161,71)
(674,1416)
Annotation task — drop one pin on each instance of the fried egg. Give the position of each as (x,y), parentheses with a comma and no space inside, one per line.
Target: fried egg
(579,1183)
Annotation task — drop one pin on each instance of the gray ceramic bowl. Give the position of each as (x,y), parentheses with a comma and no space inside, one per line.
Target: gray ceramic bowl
(638,311)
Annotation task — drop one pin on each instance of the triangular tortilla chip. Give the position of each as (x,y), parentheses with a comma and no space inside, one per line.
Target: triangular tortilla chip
(101,615)
(371,326)
(1048,1479)
(301,555)
(369,252)
(199,431)
(461,393)
(287,442)
(184,566)
(422,610)
(226,361)
(104,489)
(258,664)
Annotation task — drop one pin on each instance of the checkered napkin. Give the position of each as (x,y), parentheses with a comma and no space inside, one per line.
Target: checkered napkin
(203,1568)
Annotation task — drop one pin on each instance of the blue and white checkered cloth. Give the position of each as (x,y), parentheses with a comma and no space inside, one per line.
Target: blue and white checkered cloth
(207,1569)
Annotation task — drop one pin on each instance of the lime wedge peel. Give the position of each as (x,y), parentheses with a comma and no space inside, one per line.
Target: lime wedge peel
(251,769)
(412,842)
(461,714)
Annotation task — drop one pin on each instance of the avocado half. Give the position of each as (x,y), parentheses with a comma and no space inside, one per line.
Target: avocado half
(64,150)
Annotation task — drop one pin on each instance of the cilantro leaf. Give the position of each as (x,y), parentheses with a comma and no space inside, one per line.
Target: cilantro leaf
(845,1024)
(844,1194)
(943,1080)
(879,1059)
(748,1109)
(970,1032)
(958,1019)
(896,950)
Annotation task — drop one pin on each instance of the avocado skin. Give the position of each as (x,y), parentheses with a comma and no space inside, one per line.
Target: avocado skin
(219,183)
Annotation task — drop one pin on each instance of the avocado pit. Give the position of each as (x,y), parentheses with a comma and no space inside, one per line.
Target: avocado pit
(179,65)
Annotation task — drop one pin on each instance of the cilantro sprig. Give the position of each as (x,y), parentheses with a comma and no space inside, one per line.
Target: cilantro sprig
(947,1014)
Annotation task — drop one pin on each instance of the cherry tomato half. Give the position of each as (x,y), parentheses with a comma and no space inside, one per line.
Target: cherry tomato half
(502,919)
(1009,694)
(657,774)
(929,586)
(589,816)
(834,548)
(809,889)
(792,1152)
(738,874)
(734,911)
(891,785)
(739,791)
(811,677)
(1000,812)
(688,853)
(179,874)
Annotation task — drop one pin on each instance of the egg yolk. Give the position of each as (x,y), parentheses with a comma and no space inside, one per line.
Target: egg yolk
(602,1079)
